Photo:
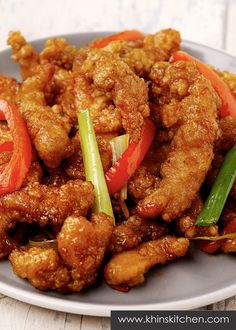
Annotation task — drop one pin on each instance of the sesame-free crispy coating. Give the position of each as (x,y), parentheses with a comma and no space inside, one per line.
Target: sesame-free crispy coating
(81,247)
(107,86)
(23,53)
(188,103)
(48,126)
(142,55)
(133,231)
(128,268)
(48,204)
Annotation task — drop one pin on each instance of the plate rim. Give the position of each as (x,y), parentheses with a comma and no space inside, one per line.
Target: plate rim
(101,310)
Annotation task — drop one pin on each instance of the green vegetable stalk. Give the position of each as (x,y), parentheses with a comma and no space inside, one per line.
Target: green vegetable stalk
(220,190)
(93,165)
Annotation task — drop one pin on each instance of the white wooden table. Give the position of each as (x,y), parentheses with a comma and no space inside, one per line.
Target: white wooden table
(211,22)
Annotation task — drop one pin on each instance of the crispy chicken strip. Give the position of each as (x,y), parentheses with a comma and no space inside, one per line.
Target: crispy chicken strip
(23,53)
(58,52)
(48,204)
(48,127)
(187,102)
(116,96)
(81,248)
(128,268)
(133,231)
(141,56)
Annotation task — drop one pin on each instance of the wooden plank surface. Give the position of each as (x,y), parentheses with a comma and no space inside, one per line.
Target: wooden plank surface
(211,22)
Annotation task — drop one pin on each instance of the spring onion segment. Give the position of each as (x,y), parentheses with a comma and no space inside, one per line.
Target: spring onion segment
(93,165)
(215,238)
(219,192)
(118,145)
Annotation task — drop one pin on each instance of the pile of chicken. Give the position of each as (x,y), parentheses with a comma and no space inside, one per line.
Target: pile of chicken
(122,84)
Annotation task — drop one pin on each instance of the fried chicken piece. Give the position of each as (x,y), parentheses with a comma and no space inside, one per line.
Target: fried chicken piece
(64,93)
(23,53)
(188,102)
(133,231)
(146,178)
(48,204)
(115,95)
(186,223)
(227,138)
(82,245)
(142,183)
(8,88)
(128,268)
(141,56)
(48,127)
(81,248)
(42,267)
(58,52)
(56,177)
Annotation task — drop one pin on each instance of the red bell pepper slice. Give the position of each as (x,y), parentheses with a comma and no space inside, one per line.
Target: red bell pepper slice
(2,116)
(230,227)
(129,35)
(125,166)
(209,247)
(228,100)
(6,146)
(13,173)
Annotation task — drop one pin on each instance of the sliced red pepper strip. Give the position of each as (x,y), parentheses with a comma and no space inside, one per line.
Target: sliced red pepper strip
(209,247)
(129,35)
(13,173)
(6,146)
(125,166)
(228,100)
(230,227)
(2,116)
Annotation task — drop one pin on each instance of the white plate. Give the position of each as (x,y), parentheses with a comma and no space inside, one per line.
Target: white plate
(191,282)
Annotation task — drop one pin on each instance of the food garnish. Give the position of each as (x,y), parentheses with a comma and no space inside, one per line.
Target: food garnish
(93,165)
(125,166)
(219,192)
(14,172)
(129,35)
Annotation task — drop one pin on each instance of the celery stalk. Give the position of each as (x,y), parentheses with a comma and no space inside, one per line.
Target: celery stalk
(93,165)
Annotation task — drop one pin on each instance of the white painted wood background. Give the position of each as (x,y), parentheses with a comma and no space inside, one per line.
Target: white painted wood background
(211,22)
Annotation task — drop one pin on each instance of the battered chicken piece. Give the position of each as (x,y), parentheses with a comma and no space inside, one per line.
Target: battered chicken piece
(8,88)
(186,223)
(188,103)
(23,53)
(48,127)
(141,56)
(81,248)
(115,95)
(42,267)
(133,231)
(142,183)
(227,138)
(82,245)
(48,204)
(128,268)
(58,52)
(63,93)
